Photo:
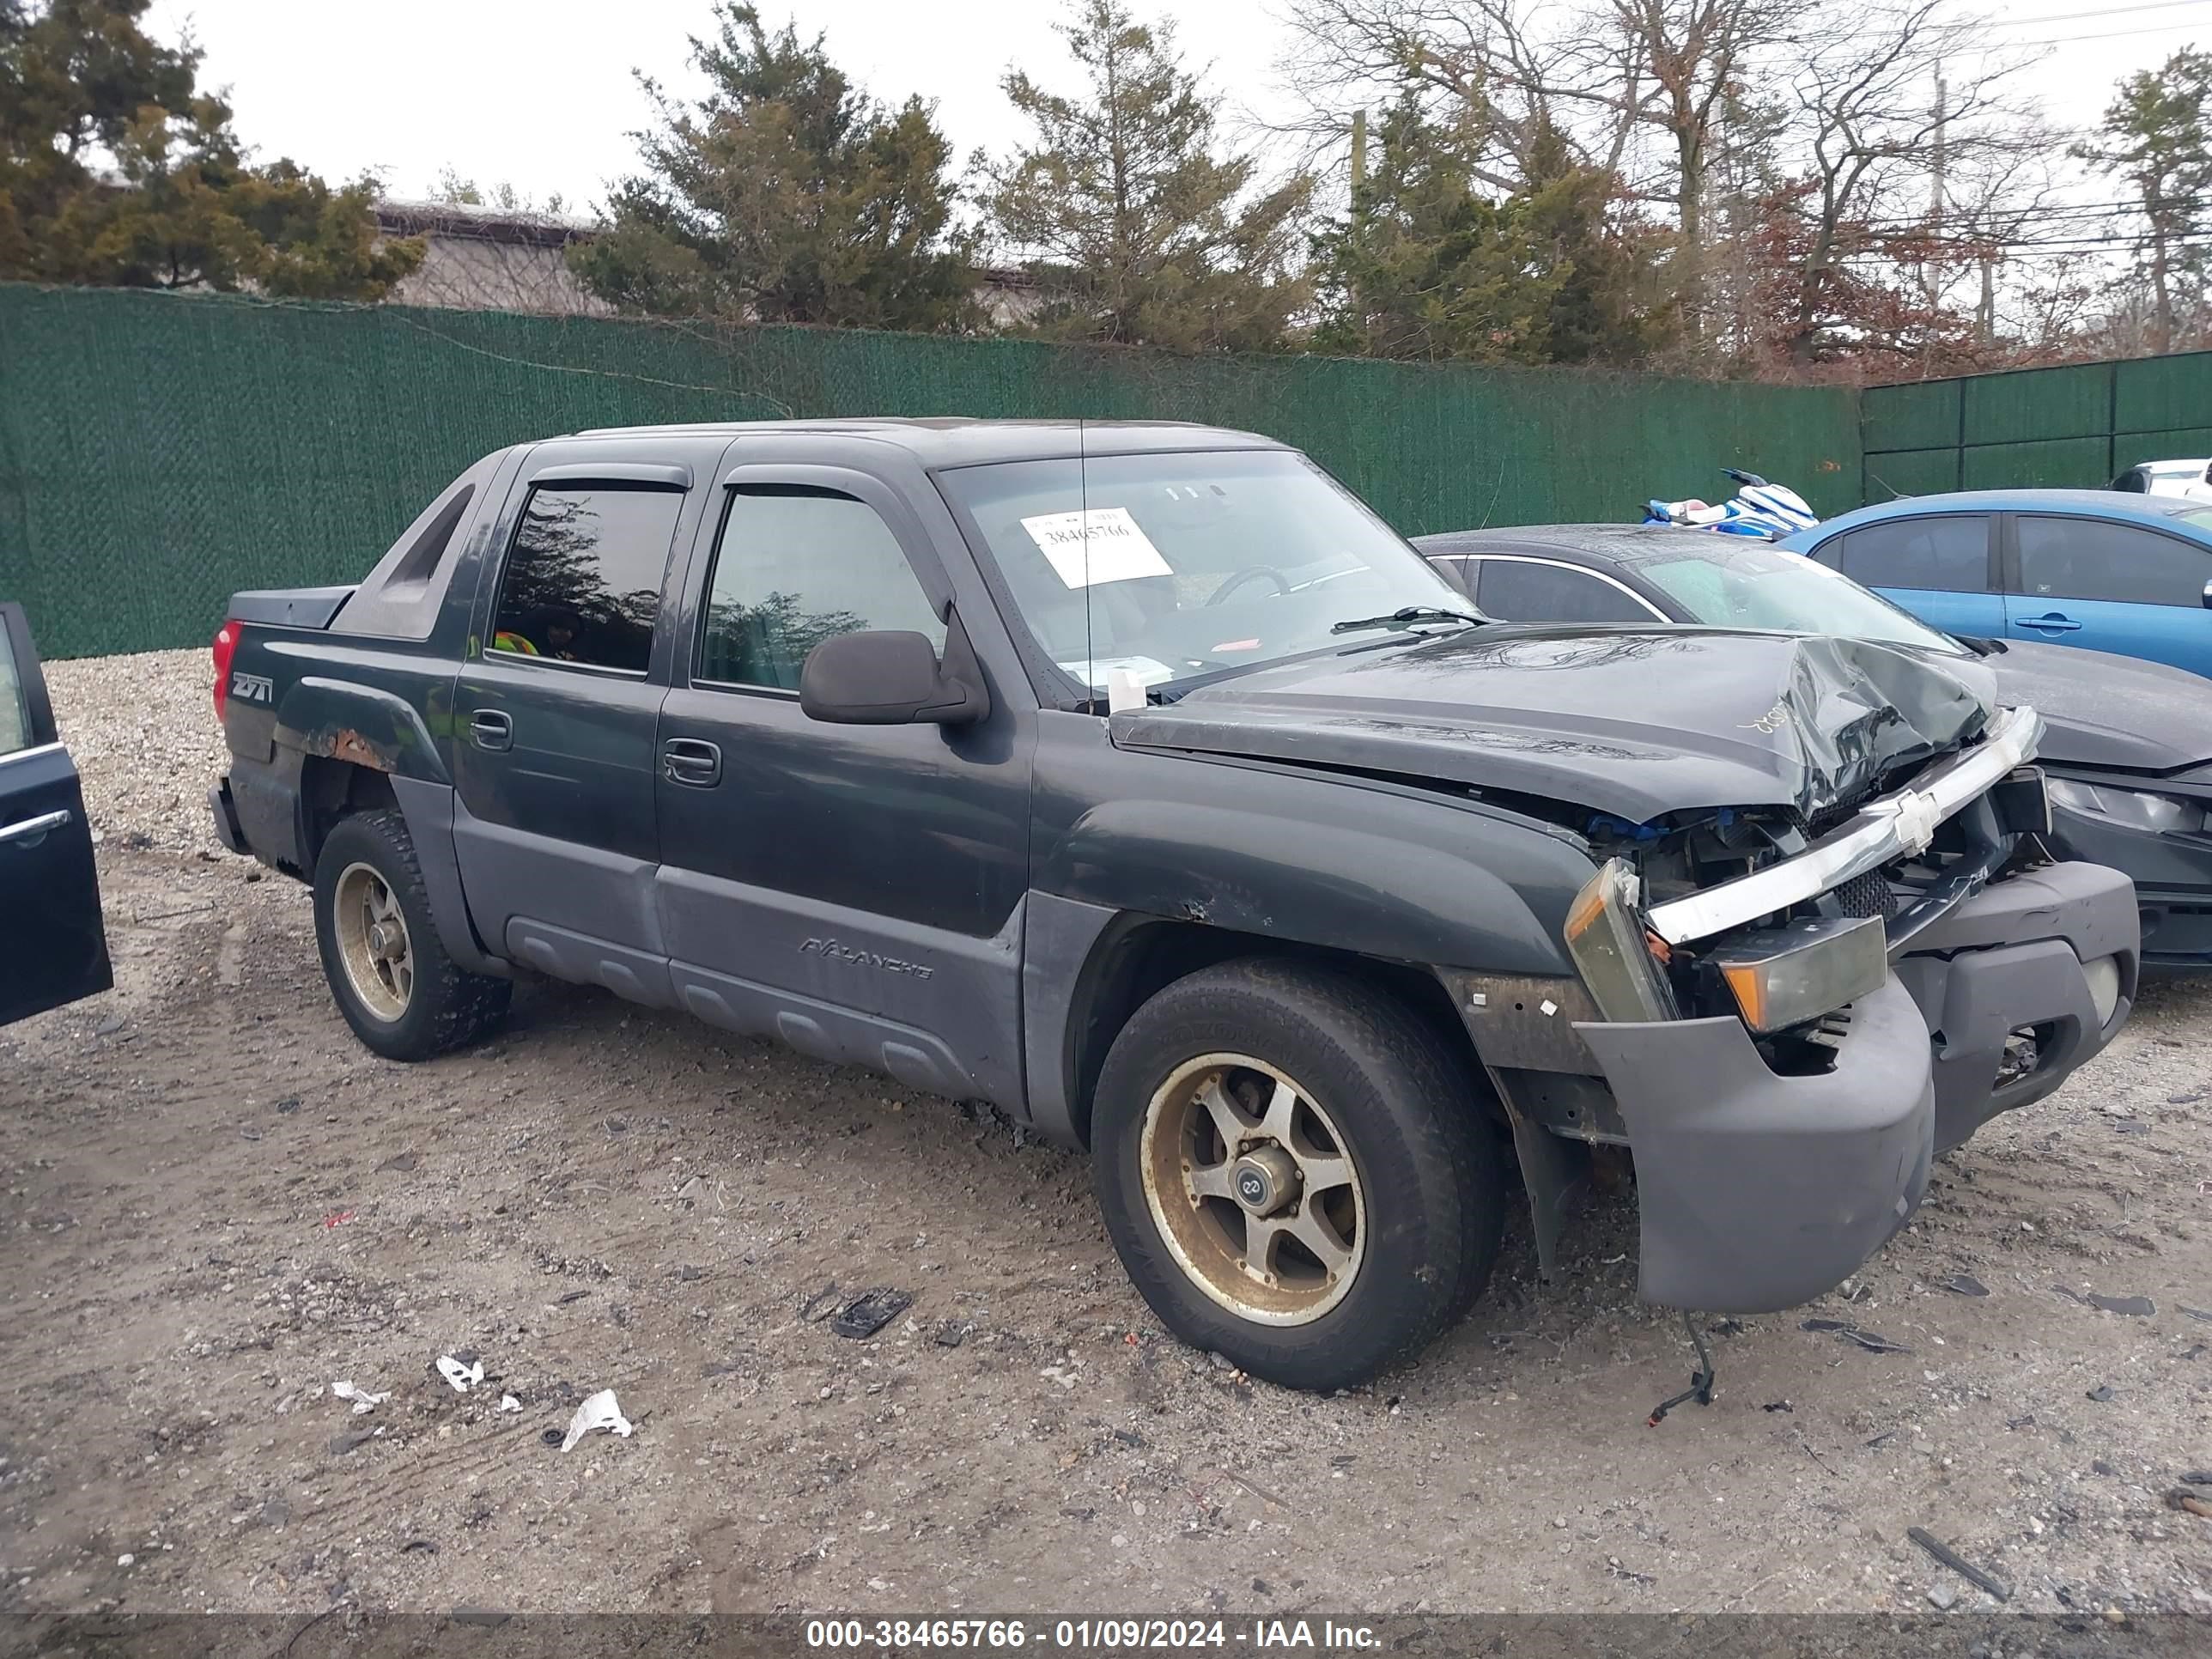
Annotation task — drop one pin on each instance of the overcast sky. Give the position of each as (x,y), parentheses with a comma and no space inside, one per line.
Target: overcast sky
(539,94)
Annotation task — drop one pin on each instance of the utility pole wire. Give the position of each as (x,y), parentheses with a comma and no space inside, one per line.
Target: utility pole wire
(2108,11)
(2108,34)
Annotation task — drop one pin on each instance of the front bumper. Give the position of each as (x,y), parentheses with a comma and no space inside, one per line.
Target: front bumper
(1759,1191)
(2009,958)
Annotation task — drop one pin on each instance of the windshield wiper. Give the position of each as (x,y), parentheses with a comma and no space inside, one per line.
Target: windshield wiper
(1410,613)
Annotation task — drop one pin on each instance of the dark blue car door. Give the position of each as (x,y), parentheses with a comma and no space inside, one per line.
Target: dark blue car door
(52,947)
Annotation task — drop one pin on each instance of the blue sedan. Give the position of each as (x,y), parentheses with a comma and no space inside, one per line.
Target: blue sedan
(2131,575)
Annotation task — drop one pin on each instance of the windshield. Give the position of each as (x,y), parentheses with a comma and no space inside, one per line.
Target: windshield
(1743,583)
(1171,565)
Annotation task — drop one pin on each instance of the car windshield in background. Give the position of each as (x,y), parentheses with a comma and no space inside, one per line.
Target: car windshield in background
(1738,583)
(1178,564)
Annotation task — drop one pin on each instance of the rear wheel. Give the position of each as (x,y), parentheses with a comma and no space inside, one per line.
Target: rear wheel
(1296,1171)
(388,973)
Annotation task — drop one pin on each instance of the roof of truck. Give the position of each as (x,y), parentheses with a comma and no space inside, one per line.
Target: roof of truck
(958,440)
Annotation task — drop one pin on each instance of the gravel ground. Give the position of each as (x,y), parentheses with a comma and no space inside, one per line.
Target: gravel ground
(112,710)
(217,1204)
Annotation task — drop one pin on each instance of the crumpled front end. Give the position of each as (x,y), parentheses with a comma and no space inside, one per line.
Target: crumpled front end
(1785,1051)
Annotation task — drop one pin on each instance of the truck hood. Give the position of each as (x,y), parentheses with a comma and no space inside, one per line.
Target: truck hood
(1636,723)
(2100,710)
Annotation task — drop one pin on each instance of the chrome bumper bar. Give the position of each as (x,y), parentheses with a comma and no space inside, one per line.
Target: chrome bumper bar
(1896,826)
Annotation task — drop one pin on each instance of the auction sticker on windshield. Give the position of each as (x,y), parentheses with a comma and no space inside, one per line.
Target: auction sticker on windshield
(1103,544)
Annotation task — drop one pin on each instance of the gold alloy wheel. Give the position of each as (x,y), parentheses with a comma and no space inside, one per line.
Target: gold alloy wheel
(372,942)
(1251,1184)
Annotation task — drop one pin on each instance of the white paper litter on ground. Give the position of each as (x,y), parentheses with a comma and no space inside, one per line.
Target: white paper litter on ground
(463,1377)
(600,1411)
(508,1402)
(362,1399)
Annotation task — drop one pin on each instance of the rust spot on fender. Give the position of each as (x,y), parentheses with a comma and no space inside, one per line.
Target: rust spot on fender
(348,745)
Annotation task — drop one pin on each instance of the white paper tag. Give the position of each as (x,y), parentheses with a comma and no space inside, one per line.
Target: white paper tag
(1124,691)
(1102,545)
(1143,670)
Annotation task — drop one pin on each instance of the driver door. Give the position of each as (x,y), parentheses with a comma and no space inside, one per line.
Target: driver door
(56,949)
(854,889)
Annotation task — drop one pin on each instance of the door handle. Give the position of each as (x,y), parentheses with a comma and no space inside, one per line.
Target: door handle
(2053,623)
(492,728)
(33,828)
(691,761)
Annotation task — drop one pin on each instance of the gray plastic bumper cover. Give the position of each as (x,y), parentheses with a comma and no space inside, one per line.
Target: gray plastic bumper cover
(1759,1191)
(2011,957)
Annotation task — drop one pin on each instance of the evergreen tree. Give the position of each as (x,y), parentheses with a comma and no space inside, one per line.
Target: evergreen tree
(786,195)
(1136,227)
(2157,135)
(1426,266)
(116,169)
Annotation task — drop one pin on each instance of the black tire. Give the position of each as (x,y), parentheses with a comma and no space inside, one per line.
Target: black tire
(446,1004)
(1407,1108)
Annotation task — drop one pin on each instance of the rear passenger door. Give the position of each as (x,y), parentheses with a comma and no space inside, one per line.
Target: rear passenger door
(557,705)
(854,889)
(2109,586)
(53,949)
(1941,567)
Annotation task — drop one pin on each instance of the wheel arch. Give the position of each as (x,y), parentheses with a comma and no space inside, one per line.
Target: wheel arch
(332,790)
(1133,956)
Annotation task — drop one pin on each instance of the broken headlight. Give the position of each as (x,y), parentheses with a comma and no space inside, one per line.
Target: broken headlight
(1617,956)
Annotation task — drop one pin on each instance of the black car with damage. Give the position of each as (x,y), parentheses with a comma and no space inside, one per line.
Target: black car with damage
(1138,780)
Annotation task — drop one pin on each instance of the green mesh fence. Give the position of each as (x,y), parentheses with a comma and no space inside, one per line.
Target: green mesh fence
(159,452)
(1911,472)
(2074,427)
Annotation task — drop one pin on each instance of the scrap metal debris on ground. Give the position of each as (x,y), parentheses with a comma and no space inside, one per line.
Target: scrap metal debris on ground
(1959,1564)
(865,1315)
(1847,1332)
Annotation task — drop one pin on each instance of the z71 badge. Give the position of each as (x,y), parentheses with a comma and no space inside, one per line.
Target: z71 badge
(253,688)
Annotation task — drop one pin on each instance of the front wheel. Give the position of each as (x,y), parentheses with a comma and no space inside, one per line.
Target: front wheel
(389,975)
(1296,1171)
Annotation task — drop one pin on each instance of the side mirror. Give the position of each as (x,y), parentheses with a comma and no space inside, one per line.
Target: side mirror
(892,677)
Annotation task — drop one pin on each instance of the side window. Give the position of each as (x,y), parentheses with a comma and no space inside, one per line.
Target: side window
(2088,559)
(1516,591)
(14,699)
(1949,554)
(2134,478)
(582,582)
(796,566)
